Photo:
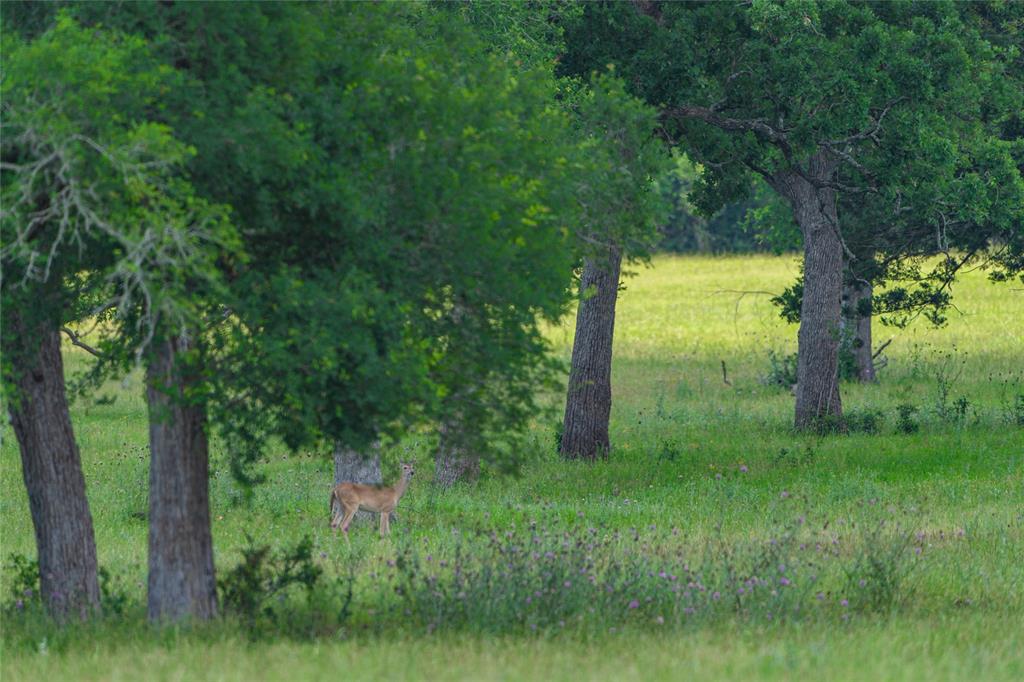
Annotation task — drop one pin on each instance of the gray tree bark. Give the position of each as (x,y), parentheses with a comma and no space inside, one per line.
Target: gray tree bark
(857,296)
(817,393)
(588,402)
(359,467)
(452,462)
(52,470)
(182,582)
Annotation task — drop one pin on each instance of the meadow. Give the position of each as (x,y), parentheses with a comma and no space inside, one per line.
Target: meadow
(890,552)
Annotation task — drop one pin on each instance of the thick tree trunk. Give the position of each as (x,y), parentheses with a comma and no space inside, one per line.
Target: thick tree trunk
(453,463)
(182,583)
(52,470)
(359,467)
(817,394)
(857,332)
(588,404)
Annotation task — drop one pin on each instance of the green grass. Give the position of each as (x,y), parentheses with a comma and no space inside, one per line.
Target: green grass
(676,426)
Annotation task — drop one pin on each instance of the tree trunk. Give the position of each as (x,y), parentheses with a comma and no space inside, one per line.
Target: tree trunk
(588,403)
(52,470)
(182,583)
(357,467)
(818,403)
(857,333)
(453,463)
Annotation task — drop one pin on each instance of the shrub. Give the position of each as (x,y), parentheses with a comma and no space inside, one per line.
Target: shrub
(864,421)
(781,370)
(264,573)
(1015,411)
(905,422)
(876,580)
(791,458)
(24,583)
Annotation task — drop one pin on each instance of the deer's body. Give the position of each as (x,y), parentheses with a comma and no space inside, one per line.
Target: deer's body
(347,498)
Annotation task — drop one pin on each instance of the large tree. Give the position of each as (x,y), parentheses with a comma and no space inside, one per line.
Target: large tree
(821,99)
(619,206)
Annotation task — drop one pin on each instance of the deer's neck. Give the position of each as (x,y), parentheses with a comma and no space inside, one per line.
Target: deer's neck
(400,487)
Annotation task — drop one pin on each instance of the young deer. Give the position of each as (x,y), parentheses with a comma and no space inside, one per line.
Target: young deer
(350,497)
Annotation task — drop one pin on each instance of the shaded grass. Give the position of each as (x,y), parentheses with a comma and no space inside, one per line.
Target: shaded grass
(968,647)
(680,436)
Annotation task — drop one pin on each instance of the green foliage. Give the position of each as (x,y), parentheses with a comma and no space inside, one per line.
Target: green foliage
(735,228)
(864,420)
(877,582)
(23,580)
(620,205)
(264,574)
(905,421)
(781,370)
(97,211)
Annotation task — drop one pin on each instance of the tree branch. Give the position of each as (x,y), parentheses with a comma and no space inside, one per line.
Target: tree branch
(76,341)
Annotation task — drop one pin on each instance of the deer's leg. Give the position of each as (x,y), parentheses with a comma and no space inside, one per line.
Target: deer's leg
(383,524)
(349,513)
(335,515)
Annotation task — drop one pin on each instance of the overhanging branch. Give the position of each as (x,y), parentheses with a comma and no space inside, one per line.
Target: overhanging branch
(77,341)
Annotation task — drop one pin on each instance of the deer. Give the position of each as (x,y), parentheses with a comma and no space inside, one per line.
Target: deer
(351,497)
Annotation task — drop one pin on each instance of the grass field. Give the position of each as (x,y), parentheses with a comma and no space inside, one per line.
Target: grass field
(902,551)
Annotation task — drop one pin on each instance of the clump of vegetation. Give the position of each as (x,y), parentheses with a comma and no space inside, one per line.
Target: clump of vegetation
(877,577)
(550,577)
(1014,413)
(786,457)
(782,369)
(905,421)
(23,579)
(669,449)
(247,589)
(864,420)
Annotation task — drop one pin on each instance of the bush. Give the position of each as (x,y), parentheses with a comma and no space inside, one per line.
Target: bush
(876,581)
(791,458)
(24,582)
(864,421)
(264,573)
(781,370)
(905,422)
(1015,411)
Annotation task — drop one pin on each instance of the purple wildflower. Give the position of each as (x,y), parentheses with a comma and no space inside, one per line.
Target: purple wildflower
(844,603)
(784,581)
(716,595)
(784,494)
(743,469)
(634,604)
